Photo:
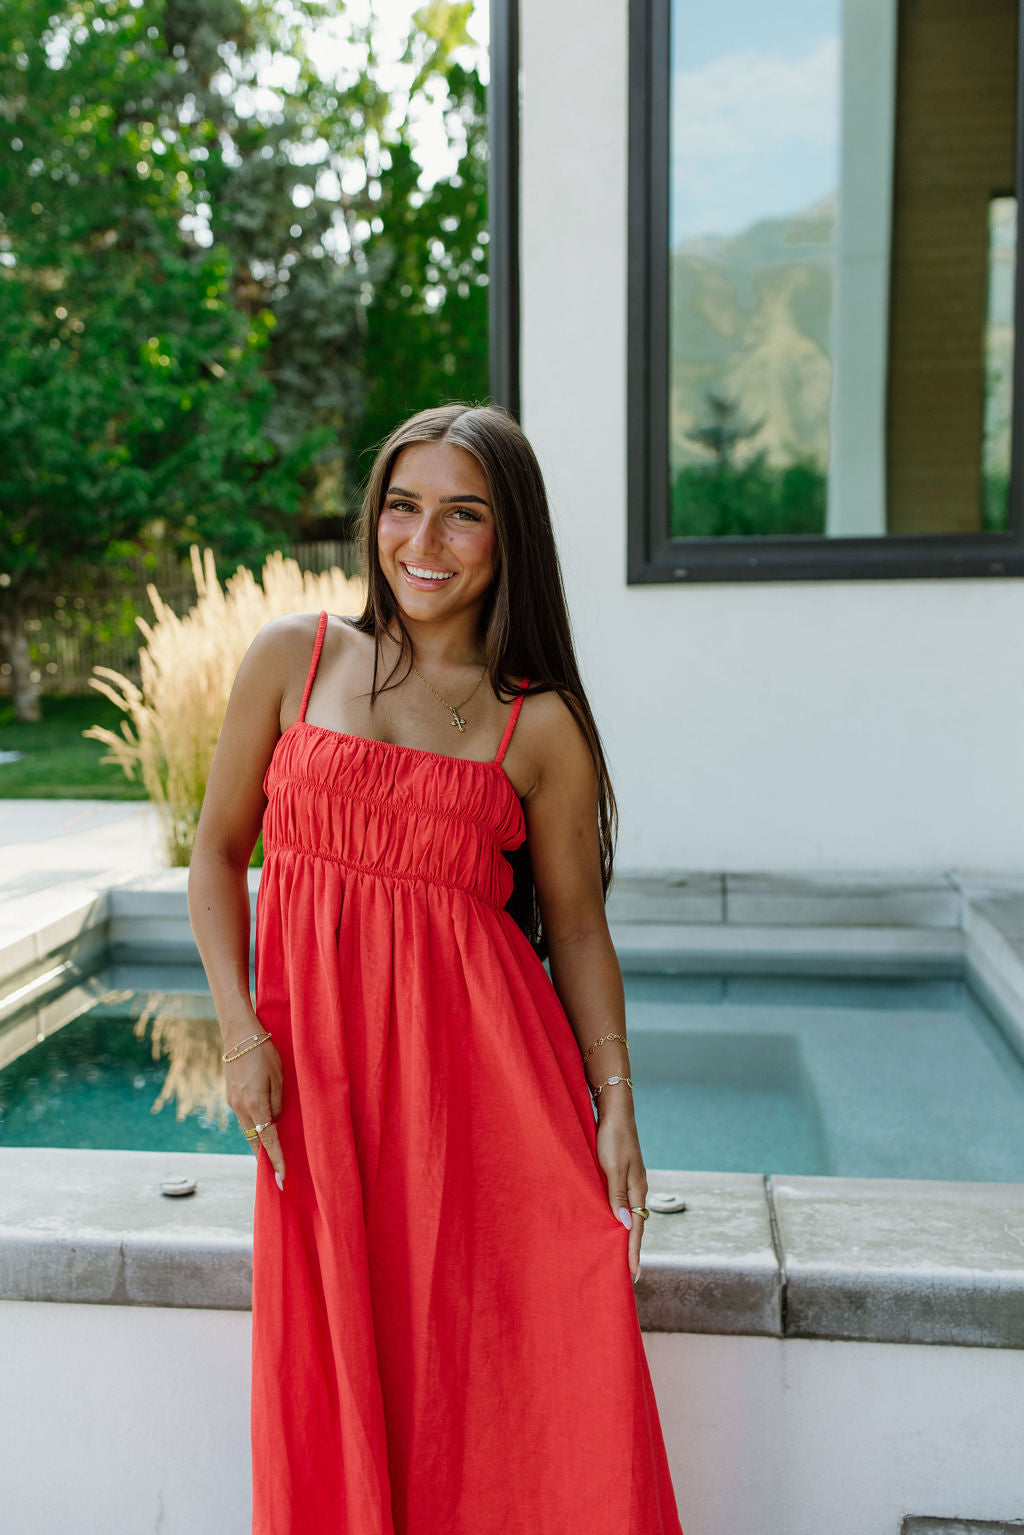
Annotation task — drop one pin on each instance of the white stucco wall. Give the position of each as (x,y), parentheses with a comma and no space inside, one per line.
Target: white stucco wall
(123,1420)
(874,725)
(767,1437)
(127,1420)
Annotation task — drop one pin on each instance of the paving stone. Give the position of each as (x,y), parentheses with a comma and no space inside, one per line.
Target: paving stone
(711,1268)
(93,1227)
(895,1260)
(697,949)
(841,900)
(667,897)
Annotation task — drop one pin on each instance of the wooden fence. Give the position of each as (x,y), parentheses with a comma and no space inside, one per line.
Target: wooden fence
(93,623)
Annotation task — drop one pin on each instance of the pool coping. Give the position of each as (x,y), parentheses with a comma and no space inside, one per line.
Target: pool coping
(826,1258)
(882,1260)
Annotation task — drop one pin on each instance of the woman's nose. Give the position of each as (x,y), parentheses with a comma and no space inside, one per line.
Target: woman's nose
(425,534)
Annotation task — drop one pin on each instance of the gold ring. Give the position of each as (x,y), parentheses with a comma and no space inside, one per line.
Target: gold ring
(250,1135)
(639,1210)
(265,1126)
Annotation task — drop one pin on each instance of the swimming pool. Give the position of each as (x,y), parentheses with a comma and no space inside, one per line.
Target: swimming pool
(854,1078)
(127,1060)
(858,1077)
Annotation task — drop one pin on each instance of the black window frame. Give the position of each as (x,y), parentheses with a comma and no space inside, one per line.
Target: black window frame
(653,557)
(503,205)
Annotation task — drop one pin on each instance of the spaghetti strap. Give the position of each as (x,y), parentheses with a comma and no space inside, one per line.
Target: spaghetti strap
(318,646)
(506,738)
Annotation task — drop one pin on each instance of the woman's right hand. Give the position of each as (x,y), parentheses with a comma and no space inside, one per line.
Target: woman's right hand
(254,1086)
(265,694)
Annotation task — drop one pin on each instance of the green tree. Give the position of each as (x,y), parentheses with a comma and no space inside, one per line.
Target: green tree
(131,393)
(729,499)
(200,326)
(751,500)
(724,430)
(427,324)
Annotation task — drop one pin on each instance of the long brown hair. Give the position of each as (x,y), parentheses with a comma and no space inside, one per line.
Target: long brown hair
(525,626)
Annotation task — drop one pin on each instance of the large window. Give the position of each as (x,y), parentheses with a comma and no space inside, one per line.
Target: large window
(824,259)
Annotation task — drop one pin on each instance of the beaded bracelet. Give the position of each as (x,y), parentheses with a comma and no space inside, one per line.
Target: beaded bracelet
(604,1040)
(243,1047)
(595,1092)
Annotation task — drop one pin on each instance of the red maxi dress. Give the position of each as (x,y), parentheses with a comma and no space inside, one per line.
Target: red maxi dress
(445,1336)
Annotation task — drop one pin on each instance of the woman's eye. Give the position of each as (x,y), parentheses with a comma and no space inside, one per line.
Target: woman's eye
(461,512)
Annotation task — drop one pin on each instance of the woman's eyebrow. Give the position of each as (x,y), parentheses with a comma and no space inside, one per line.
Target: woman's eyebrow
(396,490)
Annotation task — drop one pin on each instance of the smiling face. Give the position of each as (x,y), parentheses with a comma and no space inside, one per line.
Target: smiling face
(436,533)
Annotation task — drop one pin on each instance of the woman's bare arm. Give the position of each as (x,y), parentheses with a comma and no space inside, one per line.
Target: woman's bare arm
(229,825)
(561,818)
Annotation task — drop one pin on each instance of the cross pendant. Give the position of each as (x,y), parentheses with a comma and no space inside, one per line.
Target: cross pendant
(458,722)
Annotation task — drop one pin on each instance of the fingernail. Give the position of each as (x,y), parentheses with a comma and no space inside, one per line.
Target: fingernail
(279,1181)
(636,1276)
(625,1217)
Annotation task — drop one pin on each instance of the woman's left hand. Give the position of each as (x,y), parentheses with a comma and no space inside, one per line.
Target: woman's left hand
(618,1151)
(554,771)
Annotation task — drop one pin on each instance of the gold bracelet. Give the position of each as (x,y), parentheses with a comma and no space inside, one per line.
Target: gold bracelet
(243,1047)
(595,1092)
(603,1041)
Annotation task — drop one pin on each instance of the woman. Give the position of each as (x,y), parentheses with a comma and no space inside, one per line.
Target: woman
(445,1339)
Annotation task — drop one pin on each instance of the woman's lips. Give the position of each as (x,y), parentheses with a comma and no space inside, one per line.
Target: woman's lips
(426,578)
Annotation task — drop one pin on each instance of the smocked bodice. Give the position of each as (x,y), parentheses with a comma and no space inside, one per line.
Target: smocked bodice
(392,811)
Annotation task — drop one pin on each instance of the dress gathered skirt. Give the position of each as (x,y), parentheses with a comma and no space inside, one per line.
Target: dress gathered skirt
(445,1335)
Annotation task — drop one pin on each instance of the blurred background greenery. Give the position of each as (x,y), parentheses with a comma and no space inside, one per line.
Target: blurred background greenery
(227,269)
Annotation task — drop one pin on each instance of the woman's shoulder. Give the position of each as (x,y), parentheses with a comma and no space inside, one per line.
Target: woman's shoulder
(293,635)
(546,711)
(549,729)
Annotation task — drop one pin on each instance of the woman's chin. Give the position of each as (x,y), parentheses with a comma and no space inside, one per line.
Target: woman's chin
(421,604)
(422,608)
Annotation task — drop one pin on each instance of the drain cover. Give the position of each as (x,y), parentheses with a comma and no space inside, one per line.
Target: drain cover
(175,1188)
(666,1204)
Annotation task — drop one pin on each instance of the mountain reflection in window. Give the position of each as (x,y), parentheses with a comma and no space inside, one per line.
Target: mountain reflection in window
(842,267)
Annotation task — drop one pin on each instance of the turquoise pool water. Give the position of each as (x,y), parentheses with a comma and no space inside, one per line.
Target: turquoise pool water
(853,1078)
(856,1078)
(135,1066)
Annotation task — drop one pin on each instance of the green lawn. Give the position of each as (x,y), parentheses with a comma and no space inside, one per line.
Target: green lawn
(56,762)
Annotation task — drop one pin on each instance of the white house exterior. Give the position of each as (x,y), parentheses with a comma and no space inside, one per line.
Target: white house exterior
(833,725)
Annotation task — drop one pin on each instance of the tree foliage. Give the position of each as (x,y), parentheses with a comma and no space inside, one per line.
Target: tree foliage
(729,498)
(221,274)
(751,500)
(130,381)
(724,430)
(427,326)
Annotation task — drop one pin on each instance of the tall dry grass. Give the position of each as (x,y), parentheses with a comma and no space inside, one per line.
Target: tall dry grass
(188,665)
(191,1045)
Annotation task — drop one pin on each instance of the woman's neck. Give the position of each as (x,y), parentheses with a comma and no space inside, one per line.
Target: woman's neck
(453,643)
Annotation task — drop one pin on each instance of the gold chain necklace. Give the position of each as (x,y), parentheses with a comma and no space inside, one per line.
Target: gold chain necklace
(458,723)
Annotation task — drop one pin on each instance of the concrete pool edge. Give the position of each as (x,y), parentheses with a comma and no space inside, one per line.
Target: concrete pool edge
(784,1257)
(92,1227)
(830,1258)
(769,924)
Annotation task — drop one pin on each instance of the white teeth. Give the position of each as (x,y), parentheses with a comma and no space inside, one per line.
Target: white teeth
(429,575)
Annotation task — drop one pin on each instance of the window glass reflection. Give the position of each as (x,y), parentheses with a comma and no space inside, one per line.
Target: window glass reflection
(1002,267)
(842,266)
(998,409)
